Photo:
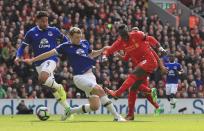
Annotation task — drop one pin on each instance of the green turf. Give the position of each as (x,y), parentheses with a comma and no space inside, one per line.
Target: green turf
(103,123)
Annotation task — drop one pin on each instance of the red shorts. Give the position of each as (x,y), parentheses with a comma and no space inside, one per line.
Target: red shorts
(144,84)
(148,65)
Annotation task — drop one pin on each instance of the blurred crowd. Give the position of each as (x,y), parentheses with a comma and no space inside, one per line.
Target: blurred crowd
(96,18)
(197,6)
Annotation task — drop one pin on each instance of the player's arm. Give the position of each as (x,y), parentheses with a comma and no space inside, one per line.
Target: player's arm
(116,46)
(180,70)
(160,62)
(124,57)
(22,46)
(20,50)
(95,53)
(41,57)
(62,38)
(58,50)
(155,44)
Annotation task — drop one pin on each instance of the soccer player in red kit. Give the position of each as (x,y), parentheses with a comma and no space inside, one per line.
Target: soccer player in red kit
(135,89)
(135,45)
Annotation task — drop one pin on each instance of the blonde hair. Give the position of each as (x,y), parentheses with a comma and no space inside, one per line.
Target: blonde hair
(74,30)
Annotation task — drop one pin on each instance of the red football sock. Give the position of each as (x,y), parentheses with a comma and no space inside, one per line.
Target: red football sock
(144,88)
(149,98)
(132,96)
(127,84)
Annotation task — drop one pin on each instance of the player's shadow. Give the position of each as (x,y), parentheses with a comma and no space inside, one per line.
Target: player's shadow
(88,121)
(140,121)
(103,121)
(41,121)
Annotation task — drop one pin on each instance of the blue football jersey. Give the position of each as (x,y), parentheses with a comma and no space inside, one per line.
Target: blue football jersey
(42,41)
(172,76)
(77,56)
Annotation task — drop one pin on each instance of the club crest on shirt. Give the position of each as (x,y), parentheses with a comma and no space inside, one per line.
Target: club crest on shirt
(83,45)
(50,33)
(44,43)
(80,52)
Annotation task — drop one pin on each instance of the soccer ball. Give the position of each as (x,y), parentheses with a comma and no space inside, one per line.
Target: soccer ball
(42,113)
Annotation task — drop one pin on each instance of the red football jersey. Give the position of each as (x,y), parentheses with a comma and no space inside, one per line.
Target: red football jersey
(137,48)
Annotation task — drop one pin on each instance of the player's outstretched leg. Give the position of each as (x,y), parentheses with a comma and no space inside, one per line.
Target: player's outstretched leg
(138,76)
(106,102)
(94,104)
(154,94)
(157,110)
(99,96)
(58,92)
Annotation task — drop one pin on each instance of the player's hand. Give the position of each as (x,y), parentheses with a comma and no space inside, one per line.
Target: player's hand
(118,55)
(163,51)
(17,61)
(110,92)
(105,48)
(164,70)
(28,61)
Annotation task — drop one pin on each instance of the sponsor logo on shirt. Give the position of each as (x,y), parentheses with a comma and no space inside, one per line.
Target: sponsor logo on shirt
(44,43)
(50,33)
(80,52)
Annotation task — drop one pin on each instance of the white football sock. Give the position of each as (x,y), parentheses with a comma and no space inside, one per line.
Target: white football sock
(106,102)
(81,109)
(50,82)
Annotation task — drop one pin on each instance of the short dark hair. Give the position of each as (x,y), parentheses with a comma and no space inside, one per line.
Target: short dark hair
(123,32)
(122,27)
(74,30)
(41,14)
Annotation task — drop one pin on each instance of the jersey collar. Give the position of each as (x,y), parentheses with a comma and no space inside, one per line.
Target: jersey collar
(41,29)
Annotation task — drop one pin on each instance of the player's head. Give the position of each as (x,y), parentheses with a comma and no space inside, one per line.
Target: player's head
(75,35)
(123,32)
(42,19)
(135,29)
(171,58)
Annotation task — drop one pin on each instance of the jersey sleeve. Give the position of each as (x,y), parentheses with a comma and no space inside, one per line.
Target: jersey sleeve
(155,54)
(60,48)
(116,46)
(88,46)
(25,42)
(179,67)
(61,37)
(27,38)
(152,41)
(140,35)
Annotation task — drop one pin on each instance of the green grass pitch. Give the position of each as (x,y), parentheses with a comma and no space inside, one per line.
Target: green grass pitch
(103,123)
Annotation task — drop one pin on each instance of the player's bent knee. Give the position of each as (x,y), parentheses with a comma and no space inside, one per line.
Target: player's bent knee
(94,102)
(43,77)
(139,72)
(98,90)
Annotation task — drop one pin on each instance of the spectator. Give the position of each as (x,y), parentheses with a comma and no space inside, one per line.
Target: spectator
(97,20)
(2,93)
(23,109)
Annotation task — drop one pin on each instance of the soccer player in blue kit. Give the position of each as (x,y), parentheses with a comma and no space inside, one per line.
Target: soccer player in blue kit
(174,70)
(43,38)
(80,56)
